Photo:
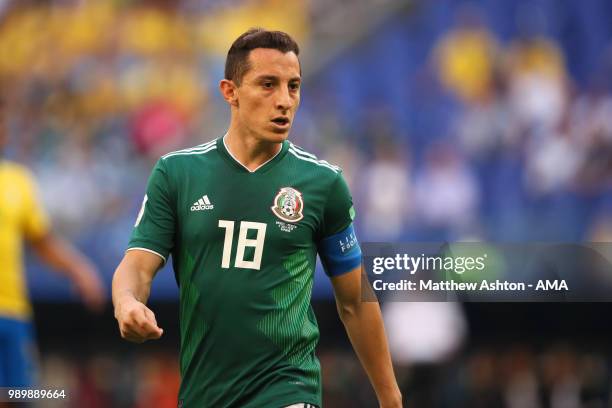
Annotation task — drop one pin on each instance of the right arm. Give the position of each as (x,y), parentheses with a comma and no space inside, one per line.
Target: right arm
(151,243)
(131,288)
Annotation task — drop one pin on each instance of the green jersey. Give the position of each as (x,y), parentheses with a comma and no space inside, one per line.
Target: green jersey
(244,247)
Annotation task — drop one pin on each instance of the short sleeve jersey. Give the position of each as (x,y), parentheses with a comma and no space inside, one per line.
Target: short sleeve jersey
(22,216)
(244,247)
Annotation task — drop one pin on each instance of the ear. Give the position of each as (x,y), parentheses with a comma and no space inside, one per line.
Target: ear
(229,91)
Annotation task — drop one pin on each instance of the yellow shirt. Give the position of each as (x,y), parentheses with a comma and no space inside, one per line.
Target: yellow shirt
(21,217)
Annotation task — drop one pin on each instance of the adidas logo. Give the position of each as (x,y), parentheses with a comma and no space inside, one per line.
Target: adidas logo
(202,204)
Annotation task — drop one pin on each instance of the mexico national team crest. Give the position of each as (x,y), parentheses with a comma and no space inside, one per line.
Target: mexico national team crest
(288,205)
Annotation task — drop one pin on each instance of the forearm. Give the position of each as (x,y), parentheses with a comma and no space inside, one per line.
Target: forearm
(66,259)
(131,287)
(133,280)
(364,326)
(61,256)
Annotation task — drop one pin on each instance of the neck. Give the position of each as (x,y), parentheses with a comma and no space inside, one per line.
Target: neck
(249,151)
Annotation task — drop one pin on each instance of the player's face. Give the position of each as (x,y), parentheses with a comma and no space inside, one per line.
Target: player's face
(269,94)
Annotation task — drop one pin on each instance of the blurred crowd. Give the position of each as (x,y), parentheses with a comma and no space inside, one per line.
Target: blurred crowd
(503,376)
(452,121)
(482,138)
(494,138)
(98,90)
(514,377)
(107,380)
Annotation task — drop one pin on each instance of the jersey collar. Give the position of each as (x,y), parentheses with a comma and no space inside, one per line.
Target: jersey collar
(222,148)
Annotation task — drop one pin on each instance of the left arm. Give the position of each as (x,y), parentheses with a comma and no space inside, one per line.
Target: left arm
(341,257)
(364,326)
(66,259)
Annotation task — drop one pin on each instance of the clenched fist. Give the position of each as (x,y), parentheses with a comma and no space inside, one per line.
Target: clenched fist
(136,321)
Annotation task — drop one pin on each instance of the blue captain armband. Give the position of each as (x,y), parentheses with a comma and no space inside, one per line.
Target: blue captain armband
(340,253)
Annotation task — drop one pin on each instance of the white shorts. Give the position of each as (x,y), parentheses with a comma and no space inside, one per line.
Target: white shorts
(301,405)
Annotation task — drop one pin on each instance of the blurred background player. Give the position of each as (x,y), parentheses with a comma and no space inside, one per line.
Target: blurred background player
(22,218)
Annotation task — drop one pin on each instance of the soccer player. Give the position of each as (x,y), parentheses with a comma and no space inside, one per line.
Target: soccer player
(244,217)
(22,217)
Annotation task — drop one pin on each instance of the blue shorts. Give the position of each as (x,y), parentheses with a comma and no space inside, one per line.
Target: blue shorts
(17,353)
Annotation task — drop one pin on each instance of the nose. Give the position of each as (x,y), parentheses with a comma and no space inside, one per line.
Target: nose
(284,101)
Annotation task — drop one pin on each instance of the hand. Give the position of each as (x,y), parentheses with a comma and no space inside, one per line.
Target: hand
(136,321)
(90,288)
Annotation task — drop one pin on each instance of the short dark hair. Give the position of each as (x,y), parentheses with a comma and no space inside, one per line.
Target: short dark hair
(237,62)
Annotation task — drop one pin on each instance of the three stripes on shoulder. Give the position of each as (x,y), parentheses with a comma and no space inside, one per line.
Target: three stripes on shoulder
(203,148)
(309,157)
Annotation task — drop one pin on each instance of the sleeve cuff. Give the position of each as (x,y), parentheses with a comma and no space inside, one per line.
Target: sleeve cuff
(147,247)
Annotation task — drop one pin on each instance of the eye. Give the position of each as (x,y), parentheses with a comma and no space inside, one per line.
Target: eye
(267,84)
(294,86)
